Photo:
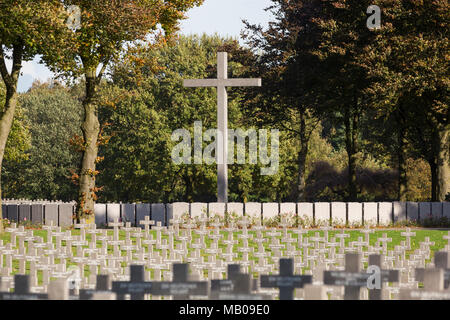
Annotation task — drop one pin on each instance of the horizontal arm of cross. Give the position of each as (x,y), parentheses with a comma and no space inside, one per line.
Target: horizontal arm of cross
(222,83)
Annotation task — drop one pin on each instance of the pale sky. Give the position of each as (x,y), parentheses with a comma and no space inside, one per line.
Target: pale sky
(214,16)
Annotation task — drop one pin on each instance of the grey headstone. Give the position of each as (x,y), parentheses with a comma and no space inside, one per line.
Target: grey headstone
(112,212)
(142,211)
(37,213)
(436,210)
(446,209)
(412,209)
(4,211)
(128,214)
(339,213)
(159,213)
(399,211)
(13,212)
(51,213)
(425,210)
(65,214)
(370,213)
(24,212)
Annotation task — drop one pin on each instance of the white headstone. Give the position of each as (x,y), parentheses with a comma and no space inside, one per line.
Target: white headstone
(305,211)
(235,207)
(370,213)
(253,209)
(112,212)
(198,208)
(288,208)
(355,216)
(339,213)
(177,209)
(100,214)
(385,213)
(322,212)
(412,209)
(216,209)
(270,210)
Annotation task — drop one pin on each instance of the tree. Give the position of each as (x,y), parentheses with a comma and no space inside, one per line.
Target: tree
(54,117)
(289,75)
(25,27)
(410,59)
(106,27)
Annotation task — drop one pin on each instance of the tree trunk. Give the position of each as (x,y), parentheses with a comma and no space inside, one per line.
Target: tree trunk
(443,168)
(6,120)
(91,129)
(302,154)
(402,175)
(7,113)
(351,122)
(434,178)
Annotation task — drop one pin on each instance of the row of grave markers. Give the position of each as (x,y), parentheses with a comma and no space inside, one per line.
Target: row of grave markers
(339,213)
(241,286)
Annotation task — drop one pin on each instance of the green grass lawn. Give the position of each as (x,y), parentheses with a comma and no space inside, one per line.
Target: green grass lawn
(435,236)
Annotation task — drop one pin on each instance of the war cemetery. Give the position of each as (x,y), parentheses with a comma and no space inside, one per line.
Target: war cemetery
(305,159)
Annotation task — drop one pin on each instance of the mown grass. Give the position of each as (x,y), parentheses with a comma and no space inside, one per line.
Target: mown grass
(435,236)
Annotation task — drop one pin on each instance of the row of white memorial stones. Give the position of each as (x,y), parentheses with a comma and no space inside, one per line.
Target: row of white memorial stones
(103,254)
(338,213)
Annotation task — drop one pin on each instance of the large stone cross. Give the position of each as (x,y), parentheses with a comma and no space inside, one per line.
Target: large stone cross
(221,83)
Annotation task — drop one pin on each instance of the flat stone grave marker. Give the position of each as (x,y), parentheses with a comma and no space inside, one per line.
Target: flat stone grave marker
(412,209)
(235,207)
(399,211)
(22,290)
(385,276)
(433,287)
(180,287)
(286,281)
(351,278)
(305,210)
(137,287)
(216,209)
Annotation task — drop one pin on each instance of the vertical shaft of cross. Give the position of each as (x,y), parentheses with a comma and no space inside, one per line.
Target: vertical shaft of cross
(222,126)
